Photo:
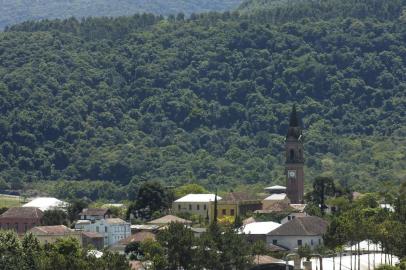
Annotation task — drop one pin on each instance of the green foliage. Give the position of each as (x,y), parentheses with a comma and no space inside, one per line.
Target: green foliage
(279,11)
(153,198)
(64,254)
(364,219)
(75,207)
(55,217)
(204,99)
(154,253)
(23,10)
(305,252)
(189,189)
(386,267)
(178,241)
(3,185)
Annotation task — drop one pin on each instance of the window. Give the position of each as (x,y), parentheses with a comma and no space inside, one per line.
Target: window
(311,242)
(105,229)
(84,217)
(293,217)
(319,241)
(274,242)
(299,242)
(224,211)
(292,154)
(16,226)
(179,207)
(232,212)
(288,217)
(204,207)
(97,228)
(190,207)
(25,227)
(198,207)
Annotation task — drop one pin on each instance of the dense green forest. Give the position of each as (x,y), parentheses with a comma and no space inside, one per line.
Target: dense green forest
(205,99)
(17,11)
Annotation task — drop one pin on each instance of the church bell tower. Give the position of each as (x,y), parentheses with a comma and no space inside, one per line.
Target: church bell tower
(294,159)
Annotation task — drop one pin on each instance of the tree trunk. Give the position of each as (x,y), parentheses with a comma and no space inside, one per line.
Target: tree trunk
(350,256)
(359,256)
(374,257)
(369,267)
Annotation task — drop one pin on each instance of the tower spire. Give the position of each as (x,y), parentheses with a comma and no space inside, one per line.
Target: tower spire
(294,119)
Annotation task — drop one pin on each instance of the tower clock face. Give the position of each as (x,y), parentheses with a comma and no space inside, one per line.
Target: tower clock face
(291,174)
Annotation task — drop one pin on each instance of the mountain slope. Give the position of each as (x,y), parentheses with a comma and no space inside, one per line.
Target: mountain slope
(281,11)
(204,100)
(16,11)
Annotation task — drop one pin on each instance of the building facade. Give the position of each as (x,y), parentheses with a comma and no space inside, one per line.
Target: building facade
(294,153)
(49,234)
(21,219)
(235,204)
(112,229)
(195,204)
(298,232)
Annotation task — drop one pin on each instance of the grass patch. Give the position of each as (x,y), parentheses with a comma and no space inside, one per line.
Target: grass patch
(10,201)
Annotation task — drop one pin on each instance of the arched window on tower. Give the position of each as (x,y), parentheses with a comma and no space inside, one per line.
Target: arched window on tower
(292,155)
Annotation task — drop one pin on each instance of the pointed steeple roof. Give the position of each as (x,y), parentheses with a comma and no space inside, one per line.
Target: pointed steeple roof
(294,129)
(294,119)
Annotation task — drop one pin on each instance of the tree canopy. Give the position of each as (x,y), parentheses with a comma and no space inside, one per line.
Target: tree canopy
(203,99)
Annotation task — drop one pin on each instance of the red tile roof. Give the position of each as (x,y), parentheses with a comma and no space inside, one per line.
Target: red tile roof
(169,219)
(94,211)
(302,226)
(137,237)
(52,230)
(23,212)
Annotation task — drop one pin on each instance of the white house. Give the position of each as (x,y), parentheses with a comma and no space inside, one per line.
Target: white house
(196,204)
(259,230)
(112,229)
(47,203)
(298,232)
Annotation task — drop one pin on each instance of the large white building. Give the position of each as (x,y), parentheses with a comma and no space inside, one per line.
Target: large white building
(47,203)
(196,204)
(112,229)
(298,232)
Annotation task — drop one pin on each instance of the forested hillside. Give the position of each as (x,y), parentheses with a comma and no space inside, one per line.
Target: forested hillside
(205,99)
(17,11)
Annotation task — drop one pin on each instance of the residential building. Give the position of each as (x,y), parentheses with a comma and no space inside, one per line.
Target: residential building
(195,204)
(92,239)
(294,163)
(235,204)
(162,221)
(298,232)
(47,203)
(293,215)
(49,234)
(144,228)
(271,200)
(259,230)
(138,237)
(112,229)
(20,219)
(95,214)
